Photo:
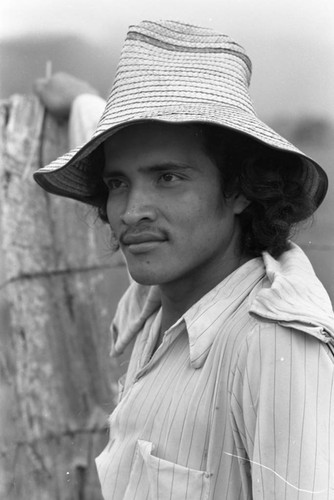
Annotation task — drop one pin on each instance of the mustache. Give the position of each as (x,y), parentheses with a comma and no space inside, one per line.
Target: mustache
(142,232)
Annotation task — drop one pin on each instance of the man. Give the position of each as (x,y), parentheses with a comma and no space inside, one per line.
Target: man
(229,386)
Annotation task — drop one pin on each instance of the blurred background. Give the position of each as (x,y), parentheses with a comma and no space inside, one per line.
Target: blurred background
(291,44)
(57,381)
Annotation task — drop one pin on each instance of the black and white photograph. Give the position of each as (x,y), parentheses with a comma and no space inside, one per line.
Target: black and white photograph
(167,250)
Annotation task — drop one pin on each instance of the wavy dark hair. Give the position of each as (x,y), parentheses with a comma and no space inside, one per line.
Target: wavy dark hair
(271,179)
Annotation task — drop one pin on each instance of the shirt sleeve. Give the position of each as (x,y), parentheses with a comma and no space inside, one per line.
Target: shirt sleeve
(85,114)
(283,411)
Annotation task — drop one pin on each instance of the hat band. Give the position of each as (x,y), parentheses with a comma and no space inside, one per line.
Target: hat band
(194,49)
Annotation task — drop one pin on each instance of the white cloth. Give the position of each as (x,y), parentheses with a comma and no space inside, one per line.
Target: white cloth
(85,114)
(236,403)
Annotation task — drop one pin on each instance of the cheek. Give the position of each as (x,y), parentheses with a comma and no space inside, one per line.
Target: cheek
(208,222)
(113,215)
(206,210)
(196,224)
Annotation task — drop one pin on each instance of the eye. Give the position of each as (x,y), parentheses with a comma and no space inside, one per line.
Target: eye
(169,177)
(114,184)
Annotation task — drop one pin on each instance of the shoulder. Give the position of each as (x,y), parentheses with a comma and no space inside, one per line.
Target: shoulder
(272,355)
(268,340)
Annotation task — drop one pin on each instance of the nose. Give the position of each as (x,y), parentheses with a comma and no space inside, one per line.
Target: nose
(139,207)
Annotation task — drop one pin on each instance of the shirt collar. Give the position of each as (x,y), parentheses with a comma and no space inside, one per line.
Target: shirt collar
(290,294)
(203,320)
(206,318)
(293,296)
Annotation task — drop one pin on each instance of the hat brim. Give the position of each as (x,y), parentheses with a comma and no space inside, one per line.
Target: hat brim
(78,174)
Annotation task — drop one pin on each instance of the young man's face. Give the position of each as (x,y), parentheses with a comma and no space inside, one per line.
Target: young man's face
(166,206)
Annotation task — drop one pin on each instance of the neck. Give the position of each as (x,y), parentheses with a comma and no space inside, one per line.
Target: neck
(177,298)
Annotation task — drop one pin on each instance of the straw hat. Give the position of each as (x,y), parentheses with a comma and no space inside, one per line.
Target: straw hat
(176,73)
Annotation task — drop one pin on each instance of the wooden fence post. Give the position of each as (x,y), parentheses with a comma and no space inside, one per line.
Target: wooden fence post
(58,292)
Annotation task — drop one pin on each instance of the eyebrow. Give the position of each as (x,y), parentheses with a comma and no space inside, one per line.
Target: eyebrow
(161,167)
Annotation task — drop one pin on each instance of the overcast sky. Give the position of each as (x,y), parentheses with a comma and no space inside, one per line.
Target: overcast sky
(291,42)
(296,18)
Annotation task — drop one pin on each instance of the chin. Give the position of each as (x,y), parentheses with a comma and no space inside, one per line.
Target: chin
(145,282)
(146,278)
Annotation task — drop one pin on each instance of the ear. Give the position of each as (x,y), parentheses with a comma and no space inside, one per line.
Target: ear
(238,203)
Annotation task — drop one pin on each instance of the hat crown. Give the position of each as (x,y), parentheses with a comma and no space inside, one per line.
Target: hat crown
(176,36)
(169,66)
(174,72)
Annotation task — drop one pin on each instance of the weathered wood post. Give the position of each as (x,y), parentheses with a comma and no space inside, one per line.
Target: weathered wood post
(58,292)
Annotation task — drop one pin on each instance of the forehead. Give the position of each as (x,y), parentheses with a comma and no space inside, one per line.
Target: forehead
(151,142)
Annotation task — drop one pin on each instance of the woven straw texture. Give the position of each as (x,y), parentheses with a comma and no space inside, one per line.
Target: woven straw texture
(176,73)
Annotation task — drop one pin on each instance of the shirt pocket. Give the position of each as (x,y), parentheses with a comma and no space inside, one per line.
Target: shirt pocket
(171,481)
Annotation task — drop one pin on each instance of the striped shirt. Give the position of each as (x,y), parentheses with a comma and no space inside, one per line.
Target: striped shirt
(238,400)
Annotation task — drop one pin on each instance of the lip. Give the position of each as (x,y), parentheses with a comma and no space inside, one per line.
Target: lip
(144,247)
(139,238)
(142,242)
